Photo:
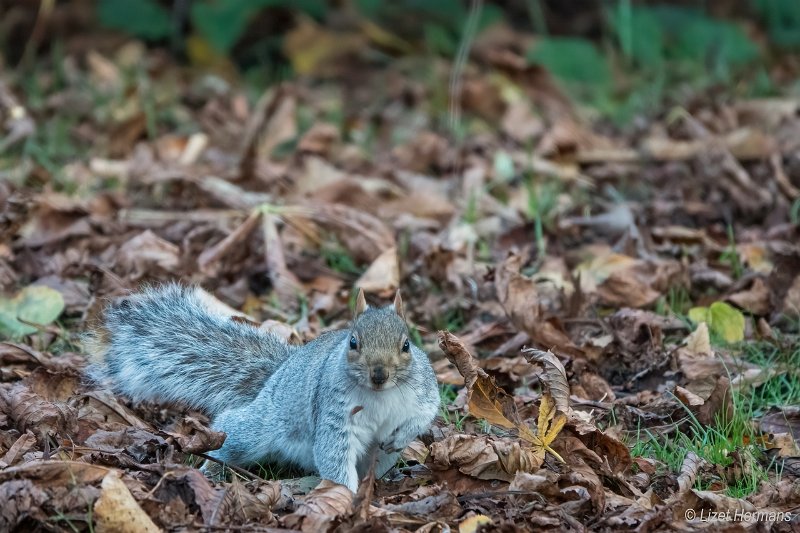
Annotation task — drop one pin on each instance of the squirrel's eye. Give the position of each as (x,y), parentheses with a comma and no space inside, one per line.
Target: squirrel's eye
(406,346)
(353,342)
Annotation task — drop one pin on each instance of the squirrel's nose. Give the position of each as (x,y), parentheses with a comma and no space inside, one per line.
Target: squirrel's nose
(379,375)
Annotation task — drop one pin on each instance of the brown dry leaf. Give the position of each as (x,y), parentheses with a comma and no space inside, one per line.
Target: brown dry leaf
(49,474)
(364,235)
(488,401)
(698,342)
(29,410)
(543,481)
(688,475)
(319,139)
(22,501)
(615,454)
(137,443)
(784,443)
(722,503)
(620,280)
(235,503)
(555,376)
(515,456)
(484,398)
(272,122)
(383,275)
(718,406)
(56,217)
(216,306)
(755,300)
(417,451)
(519,296)
(280,120)
(442,505)
(193,437)
(207,261)
(117,511)
(281,330)
(783,420)
(457,354)
(22,445)
(421,205)
(147,250)
(584,466)
(320,507)
(688,398)
(473,455)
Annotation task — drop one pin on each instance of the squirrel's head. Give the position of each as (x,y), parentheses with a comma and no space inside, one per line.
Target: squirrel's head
(379,350)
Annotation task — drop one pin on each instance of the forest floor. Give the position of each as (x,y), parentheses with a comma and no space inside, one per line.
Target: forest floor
(659,264)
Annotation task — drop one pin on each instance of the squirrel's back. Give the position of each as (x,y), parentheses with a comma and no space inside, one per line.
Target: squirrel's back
(165,345)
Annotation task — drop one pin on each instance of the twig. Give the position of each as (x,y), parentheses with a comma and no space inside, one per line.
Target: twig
(240,471)
(245,528)
(489,494)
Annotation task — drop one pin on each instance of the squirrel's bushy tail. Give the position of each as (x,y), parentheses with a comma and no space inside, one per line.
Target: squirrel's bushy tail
(164,345)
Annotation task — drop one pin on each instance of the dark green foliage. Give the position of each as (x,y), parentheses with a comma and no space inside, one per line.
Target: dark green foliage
(145,19)
(782,18)
(576,61)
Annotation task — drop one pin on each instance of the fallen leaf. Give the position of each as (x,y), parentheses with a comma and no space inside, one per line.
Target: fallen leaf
(471,524)
(35,304)
(698,342)
(520,298)
(548,426)
(457,354)
(383,275)
(473,455)
(722,319)
(555,376)
(145,251)
(117,511)
(755,300)
(325,503)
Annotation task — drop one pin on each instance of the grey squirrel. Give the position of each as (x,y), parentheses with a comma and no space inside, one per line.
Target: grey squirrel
(324,406)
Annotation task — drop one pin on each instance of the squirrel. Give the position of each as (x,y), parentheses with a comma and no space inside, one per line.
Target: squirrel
(326,406)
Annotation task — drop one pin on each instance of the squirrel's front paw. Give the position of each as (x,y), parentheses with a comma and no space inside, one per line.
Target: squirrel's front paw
(213,471)
(391,445)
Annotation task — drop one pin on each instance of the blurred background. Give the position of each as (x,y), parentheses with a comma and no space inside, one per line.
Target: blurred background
(621,57)
(617,181)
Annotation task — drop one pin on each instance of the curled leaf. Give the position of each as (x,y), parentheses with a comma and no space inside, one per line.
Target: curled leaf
(555,376)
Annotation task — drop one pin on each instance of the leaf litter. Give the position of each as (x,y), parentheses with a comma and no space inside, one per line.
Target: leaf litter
(617,311)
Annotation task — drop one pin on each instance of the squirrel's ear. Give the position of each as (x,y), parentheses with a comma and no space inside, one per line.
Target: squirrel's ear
(398,305)
(361,302)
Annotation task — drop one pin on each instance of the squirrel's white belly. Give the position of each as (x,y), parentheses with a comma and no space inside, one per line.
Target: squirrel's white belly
(380,414)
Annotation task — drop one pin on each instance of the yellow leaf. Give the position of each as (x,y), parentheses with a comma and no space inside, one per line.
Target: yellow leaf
(470,525)
(699,314)
(722,319)
(727,321)
(488,401)
(549,425)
